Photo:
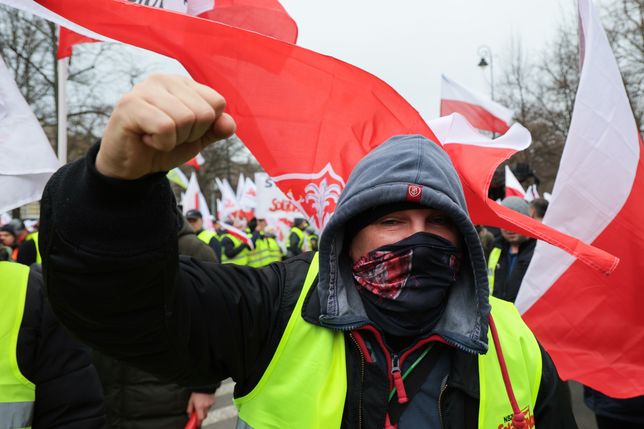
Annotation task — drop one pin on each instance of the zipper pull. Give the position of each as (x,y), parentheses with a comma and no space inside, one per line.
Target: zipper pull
(398,381)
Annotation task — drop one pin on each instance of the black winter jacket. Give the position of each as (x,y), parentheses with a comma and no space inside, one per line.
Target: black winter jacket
(506,283)
(197,322)
(68,391)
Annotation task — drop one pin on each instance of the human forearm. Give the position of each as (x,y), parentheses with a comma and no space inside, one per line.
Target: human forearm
(109,253)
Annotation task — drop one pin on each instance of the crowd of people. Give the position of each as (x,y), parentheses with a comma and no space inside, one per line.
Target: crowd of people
(399,316)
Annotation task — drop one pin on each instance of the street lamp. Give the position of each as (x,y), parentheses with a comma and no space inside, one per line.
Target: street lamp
(485,52)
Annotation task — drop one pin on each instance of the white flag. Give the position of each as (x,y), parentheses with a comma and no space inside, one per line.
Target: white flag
(27,159)
(193,199)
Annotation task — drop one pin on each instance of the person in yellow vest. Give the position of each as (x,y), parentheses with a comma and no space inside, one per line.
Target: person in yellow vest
(47,379)
(510,256)
(296,237)
(389,325)
(234,250)
(195,220)
(28,252)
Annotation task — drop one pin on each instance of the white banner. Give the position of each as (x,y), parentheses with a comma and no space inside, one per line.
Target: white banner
(274,206)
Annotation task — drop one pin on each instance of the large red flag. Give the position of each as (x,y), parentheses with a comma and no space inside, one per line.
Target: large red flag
(267,17)
(592,325)
(299,109)
(480,111)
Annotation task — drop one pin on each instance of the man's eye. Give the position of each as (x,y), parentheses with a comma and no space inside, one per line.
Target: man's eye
(440,220)
(389,222)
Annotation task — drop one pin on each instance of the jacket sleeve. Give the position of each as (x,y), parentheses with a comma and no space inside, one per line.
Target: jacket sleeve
(554,405)
(114,278)
(68,390)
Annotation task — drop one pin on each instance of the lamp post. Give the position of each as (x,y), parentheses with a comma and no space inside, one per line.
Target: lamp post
(485,52)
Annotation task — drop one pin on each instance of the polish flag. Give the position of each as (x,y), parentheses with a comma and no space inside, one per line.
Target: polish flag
(479,110)
(513,187)
(593,325)
(238,233)
(282,95)
(193,199)
(267,17)
(196,162)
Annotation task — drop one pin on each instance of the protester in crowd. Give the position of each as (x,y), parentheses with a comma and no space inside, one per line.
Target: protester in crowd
(275,253)
(47,380)
(510,256)
(136,399)
(195,219)
(538,208)
(296,237)
(312,239)
(191,243)
(233,249)
(28,251)
(390,325)
(612,413)
(8,240)
(486,237)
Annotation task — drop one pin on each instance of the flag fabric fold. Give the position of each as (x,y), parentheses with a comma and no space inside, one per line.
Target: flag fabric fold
(475,158)
(294,108)
(593,325)
(479,110)
(28,159)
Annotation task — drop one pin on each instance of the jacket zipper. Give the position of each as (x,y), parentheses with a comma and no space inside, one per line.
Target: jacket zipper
(361,379)
(440,400)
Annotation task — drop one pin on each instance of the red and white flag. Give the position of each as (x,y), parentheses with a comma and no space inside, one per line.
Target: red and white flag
(267,17)
(479,110)
(196,162)
(593,325)
(229,205)
(296,108)
(238,233)
(193,199)
(513,187)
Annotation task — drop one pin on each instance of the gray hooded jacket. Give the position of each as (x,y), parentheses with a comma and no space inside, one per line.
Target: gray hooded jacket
(392,173)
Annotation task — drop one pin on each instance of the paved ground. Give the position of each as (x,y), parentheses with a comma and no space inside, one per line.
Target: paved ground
(223,416)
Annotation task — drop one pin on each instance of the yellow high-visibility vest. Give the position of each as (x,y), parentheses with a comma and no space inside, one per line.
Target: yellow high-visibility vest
(305,384)
(17,394)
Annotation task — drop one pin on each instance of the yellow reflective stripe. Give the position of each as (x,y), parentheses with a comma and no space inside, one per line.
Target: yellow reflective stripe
(16,415)
(493,261)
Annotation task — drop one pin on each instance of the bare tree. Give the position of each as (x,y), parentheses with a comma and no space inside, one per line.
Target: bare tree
(543,91)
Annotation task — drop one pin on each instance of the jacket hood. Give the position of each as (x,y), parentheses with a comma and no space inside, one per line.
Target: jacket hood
(405,169)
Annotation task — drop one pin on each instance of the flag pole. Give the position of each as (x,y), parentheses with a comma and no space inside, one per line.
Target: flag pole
(63,66)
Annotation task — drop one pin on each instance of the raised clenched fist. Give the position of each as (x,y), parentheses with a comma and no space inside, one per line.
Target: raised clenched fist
(162,123)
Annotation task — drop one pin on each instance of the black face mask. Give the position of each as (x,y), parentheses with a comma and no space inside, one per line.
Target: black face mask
(404,285)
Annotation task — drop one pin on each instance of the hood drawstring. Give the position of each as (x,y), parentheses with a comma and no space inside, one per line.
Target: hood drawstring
(518,419)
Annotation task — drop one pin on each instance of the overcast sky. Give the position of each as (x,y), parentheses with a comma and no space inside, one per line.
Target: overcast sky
(409,43)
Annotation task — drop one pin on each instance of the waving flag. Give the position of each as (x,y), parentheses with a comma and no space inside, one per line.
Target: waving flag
(512,185)
(593,325)
(229,204)
(26,158)
(295,107)
(67,39)
(196,162)
(193,199)
(267,17)
(479,110)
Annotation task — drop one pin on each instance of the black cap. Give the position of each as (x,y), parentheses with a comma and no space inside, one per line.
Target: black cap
(8,228)
(193,214)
